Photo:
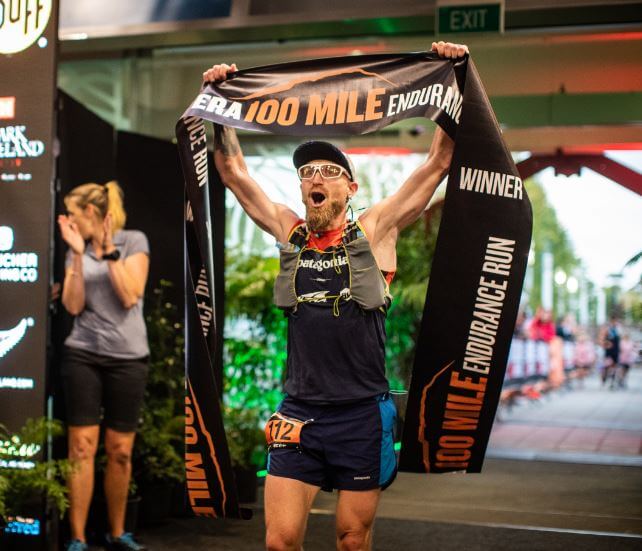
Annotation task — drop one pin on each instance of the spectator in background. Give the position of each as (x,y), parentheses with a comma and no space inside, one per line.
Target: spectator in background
(104,366)
(584,357)
(521,326)
(542,327)
(548,359)
(610,341)
(628,355)
(566,328)
(565,331)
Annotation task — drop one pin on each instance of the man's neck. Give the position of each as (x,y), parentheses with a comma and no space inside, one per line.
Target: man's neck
(337,224)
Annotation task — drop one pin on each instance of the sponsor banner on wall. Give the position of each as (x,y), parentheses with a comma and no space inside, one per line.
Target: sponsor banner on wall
(28,68)
(484,238)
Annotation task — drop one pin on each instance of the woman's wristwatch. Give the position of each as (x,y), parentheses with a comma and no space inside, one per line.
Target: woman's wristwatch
(114,255)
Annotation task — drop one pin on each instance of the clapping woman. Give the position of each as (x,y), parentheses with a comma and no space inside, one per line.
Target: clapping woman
(104,366)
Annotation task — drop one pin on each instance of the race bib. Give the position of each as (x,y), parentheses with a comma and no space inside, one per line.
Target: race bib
(283,432)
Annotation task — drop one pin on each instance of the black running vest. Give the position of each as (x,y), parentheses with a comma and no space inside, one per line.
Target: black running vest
(336,347)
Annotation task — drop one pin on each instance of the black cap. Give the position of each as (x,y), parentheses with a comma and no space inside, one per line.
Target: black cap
(311,151)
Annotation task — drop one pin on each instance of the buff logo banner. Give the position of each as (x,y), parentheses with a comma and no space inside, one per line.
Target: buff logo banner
(484,238)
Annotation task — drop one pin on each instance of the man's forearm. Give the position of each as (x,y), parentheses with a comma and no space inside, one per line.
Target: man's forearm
(441,150)
(225,141)
(228,155)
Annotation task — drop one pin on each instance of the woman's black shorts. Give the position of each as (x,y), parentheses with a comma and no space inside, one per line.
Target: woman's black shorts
(103,388)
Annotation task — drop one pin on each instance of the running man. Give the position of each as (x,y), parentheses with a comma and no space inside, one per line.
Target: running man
(334,428)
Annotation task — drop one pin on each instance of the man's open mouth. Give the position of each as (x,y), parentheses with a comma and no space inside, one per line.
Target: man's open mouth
(317,198)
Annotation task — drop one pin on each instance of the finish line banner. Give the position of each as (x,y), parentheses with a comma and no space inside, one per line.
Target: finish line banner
(209,478)
(484,237)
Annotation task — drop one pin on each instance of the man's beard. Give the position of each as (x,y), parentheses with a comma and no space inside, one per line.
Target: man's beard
(318,219)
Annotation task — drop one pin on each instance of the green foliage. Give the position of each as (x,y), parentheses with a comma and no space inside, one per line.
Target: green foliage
(632,302)
(21,488)
(246,441)
(158,452)
(254,354)
(402,327)
(254,369)
(632,299)
(249,281)
(415,252)
(166,342)
(634,260)
(255,343)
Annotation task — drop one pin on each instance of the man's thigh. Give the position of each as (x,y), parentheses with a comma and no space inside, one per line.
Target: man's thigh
(287,505)
(359,445)
(356,513)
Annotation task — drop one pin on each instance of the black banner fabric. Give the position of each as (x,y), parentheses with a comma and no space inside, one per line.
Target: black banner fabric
(210,480)
(484,238)
(328,97)
(472,300)
(28,59)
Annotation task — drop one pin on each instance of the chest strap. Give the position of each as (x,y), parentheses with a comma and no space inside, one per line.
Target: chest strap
(368,287)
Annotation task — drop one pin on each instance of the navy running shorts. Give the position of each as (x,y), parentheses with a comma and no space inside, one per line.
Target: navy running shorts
(347,447)
(99,388)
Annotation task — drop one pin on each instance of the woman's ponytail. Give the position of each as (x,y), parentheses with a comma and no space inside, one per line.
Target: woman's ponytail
(107,198)
(115,205)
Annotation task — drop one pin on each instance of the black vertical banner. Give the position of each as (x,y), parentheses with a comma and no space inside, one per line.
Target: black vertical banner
(27,85)
(485,232)
(210,482)
(28,48)
(472,301)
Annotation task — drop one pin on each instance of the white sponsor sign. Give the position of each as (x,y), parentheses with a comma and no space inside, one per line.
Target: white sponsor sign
(22,22)
(16,267)
(14,143)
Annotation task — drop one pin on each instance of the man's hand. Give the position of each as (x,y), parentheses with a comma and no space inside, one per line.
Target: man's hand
(449,50)
(218,73)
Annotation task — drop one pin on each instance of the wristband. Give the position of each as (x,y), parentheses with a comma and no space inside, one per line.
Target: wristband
(114,255)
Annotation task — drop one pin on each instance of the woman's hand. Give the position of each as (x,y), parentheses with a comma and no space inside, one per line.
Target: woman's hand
(108,234)
(71,235)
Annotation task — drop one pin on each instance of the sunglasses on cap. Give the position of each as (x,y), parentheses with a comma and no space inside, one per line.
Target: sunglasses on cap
(327,171)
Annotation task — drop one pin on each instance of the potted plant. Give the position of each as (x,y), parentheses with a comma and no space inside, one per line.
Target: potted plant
(255,334)
(157,465)
(27,486)
(158,453)
(246,443)
(254,358)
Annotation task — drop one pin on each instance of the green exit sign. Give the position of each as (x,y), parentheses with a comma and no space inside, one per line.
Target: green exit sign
(480,18)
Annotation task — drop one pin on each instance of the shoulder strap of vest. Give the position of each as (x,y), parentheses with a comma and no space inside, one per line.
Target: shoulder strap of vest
(299,236)
(352,232)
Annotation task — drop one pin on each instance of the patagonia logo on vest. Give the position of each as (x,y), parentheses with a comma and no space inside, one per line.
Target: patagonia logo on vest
(321,265)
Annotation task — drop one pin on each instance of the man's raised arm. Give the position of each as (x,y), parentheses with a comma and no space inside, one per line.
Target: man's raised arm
(393,214)
(274,218)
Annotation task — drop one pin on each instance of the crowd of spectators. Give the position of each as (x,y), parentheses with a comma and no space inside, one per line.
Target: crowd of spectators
(546,355)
